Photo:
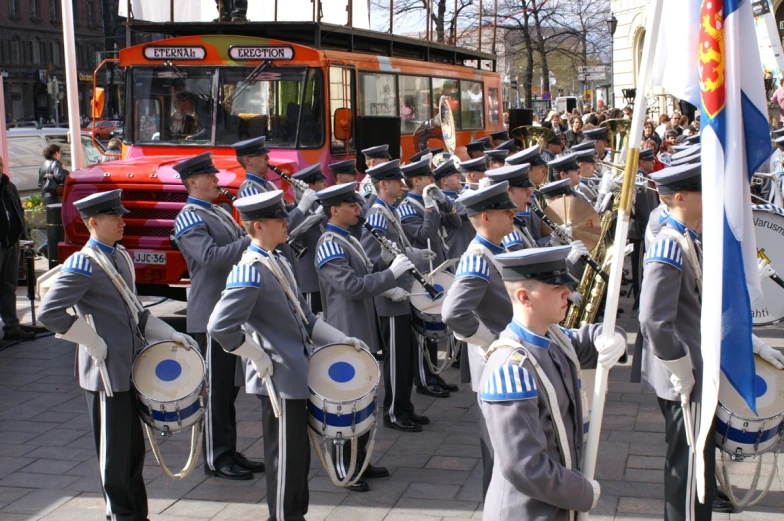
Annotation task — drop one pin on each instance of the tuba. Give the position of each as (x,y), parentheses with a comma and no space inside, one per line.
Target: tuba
(442,126)
(618,134)
(531,135)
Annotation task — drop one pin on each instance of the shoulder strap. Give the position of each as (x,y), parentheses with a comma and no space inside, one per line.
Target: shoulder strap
(218,212)
(128,296)
(396,223)
(356,247)
(488,254)
(249,257)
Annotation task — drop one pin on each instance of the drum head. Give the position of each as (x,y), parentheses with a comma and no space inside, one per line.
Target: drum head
(166,371)
(769,387)
(443,281)
(340,373)
(769,232)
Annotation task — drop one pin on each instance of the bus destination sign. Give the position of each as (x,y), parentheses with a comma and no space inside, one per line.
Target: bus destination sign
(261,52)
(168,52)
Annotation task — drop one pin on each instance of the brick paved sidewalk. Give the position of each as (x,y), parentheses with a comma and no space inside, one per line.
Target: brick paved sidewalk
(48,468)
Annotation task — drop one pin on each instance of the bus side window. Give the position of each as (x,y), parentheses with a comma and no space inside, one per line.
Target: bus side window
(311,126)
(449,88)
(341,88)
(414,92)
(492,104)
(471,105)
(377,94)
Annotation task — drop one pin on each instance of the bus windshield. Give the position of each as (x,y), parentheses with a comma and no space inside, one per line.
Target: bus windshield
(179,106)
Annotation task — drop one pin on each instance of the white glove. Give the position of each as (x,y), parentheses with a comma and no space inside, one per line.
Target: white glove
(767,353)
(324,334)
(597,492)
(357,343)
(259,358)
(420,256)
(603,202)
(395,294)
(156,330)
(482,337)
(577,252)
(607,184)
(82,333)
(610,349)
(306,201)
(576,298)
(436,193)
(682,376)
(387,255)
(765,269)
(430,202)
(400,265)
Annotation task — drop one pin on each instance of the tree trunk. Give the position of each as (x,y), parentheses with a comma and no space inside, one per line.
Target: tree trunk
(529,66)
(439,17)
(540,47)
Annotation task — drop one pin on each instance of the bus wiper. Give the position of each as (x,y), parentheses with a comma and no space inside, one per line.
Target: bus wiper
(248,80)
(182,75)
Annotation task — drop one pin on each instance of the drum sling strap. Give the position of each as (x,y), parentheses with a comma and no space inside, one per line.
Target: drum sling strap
(135,307)
(249,257)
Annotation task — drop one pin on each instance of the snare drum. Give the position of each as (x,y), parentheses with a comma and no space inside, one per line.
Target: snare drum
(739,431)
(425,312)
(169,379)
(769,232)
(342,383)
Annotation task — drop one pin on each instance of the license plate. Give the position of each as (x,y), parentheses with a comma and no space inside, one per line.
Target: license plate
(149,257)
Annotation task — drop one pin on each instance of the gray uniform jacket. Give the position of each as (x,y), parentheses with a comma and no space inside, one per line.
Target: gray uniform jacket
(84,285)
(644,203)
(306,271)
(457,239)
(211,243)
(530,480)
(255,302)
(521,238)
(588,189)
(384,219)
(349,281)
(477,295)
(421,225)
(656,220)
(670,308)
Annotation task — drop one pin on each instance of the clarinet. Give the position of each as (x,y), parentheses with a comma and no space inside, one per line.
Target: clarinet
(565,238)
(387,245)
(296,183)
(298,250)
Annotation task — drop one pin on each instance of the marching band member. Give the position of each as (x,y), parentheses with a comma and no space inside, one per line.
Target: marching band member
(345,172)
(422,153)
(496,158)
(588,182)
(537,172)
(477,308)
(107,332)
(393,309)
(530,393)
(520,191)
(253,156)
(644,202)
(508,145)
(552,192)
(553,148)
(306,232)
(350,282)
(447,178)
(670,322)
(262,317)
(498,138)
(476,148)
(602,143)
(374,156)
(775,193)
(566,167)
(211,243)
(423,213)
(474,170)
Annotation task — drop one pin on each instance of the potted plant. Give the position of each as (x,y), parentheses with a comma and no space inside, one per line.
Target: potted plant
(35,214)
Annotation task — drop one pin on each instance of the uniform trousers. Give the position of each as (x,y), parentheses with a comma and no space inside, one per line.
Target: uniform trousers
(119,442)
(314,301)
(287,455)
(486,446)
(342,465)
(425,347)
(232,7)
(399,367)
(220,426)
(680,484)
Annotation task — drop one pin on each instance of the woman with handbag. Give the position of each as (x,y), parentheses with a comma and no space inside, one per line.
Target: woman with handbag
(51,175)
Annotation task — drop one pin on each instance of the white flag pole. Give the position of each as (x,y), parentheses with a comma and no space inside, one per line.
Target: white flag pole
(71,85)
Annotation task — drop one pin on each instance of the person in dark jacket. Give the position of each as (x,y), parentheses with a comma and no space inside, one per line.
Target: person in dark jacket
(113,149)
(12,229)
(51,175)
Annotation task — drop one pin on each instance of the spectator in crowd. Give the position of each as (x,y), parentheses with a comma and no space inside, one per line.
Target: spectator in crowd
(648,132)
(114,148)
(664,125)
(575,133)
(778,98)
(51,175)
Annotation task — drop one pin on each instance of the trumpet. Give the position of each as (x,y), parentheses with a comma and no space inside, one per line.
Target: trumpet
(296,183)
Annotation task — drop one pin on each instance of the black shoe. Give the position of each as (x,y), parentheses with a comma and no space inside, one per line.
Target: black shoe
(373,472)
(403,425)
(722,505)
(434,391)
(242,461)
(230,471)
(452,388)
(360,486)
(239,18)
(18,333)
(419,420)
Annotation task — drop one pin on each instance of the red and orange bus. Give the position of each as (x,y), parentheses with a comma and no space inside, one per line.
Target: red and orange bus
(189,94)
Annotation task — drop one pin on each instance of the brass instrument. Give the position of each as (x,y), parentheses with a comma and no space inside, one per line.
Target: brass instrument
(531,135)
(618,134)
(442,126)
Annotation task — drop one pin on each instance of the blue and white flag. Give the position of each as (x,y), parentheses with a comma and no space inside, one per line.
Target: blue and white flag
(719,38)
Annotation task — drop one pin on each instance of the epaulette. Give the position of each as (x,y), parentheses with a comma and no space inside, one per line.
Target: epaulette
(329,250)
(473,265)
(406,211)
(78,263)
(667,251)
(186,221)
(509,382)
(244,276)
(513,239)
(378,221)
(248,191)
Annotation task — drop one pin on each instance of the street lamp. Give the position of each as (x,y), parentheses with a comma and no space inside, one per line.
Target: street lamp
(612,25)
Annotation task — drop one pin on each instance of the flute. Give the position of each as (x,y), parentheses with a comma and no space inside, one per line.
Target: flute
(565,238)
(387,245)
(296,183)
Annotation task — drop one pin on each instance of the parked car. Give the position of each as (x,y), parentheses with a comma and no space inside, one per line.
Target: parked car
(26,154)
(103,128)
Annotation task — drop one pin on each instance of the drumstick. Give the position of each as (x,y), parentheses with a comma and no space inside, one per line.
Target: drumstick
(101,364)
(267,379)
(431,258)
(688,422)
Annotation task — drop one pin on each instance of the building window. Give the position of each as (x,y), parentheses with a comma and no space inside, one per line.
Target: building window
(58,54)
(16,51)
(54,10)
(37,52)
(13,8)
(35,11)
(90,14)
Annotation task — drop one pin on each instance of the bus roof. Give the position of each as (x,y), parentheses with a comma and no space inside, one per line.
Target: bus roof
(325,36)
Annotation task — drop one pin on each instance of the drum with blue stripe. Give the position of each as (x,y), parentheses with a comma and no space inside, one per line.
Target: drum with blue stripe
(739,431)
(343,384)
(426,312)
(169,380)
